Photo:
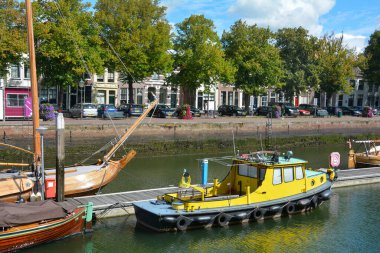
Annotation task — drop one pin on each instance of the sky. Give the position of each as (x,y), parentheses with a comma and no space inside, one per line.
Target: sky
(355,19)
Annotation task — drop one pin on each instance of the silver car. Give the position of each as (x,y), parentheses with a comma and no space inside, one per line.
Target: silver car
(86,110)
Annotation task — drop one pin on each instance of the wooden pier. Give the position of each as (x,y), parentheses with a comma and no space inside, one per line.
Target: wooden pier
(120,203)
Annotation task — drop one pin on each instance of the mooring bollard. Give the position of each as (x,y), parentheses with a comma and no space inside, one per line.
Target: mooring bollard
(60,158)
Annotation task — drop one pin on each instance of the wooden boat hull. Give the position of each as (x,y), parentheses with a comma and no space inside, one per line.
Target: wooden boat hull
(164,220)
(24,236)
(12,189)
(362,160)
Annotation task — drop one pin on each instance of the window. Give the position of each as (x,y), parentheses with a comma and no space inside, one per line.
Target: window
(16,100)
(209,96)
(111,77)
(299,172)
(370,87)
(223,97)
(272,97)
(162,98)
(15,71)
(361,85)
(236,98)
(277,177)
(124,94)
(262,174)
(340,100)
(264,100)
(26,72)
(247,171)
(288,174)
(100,78)
(230,96)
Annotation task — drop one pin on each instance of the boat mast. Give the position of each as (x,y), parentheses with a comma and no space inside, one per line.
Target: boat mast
(33,79)
(108,156)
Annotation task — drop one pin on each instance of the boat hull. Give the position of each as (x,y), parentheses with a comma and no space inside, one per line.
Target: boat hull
(162,221)
(364,161)
(12,189)
(20,237)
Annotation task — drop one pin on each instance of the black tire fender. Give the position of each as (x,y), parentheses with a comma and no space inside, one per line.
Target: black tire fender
(290,208)
(182,223)
(223,219)
(258,214)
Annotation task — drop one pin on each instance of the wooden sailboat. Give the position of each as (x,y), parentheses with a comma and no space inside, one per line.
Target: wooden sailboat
(28,224)
(369,158)
(39,222)
(79,180)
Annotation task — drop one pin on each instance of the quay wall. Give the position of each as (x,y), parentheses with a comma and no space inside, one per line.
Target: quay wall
(198,130)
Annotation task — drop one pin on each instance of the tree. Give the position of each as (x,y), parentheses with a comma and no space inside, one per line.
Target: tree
(140,35)
(68,45)
(258,62)
(372,53)
(336,63)
(297,49)
(12,34)
(198,57)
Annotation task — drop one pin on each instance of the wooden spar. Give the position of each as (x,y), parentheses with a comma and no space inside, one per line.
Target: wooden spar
(108,156)
(33,79)
(17,148)
(15,164)
(367,141)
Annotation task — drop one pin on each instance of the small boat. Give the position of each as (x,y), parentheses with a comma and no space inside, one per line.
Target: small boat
(15,187)
(29,224)
(370,157)
(259,185)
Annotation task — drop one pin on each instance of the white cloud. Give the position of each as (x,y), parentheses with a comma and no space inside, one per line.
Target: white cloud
(358,42)
(283,13)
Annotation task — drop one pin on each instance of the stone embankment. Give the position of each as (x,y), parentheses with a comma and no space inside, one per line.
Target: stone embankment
(198,129)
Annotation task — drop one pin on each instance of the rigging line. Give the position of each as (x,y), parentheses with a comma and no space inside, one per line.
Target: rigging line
(75,43)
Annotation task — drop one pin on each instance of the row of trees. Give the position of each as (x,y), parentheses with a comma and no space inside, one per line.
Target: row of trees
(134,38)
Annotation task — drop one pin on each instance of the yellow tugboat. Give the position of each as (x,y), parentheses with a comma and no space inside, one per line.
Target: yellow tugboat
(259,185)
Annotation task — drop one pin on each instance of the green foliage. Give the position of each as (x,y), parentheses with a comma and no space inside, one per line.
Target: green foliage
(336,63)
(372,53)
(198,58)
(258,62)
(140,35)
(297,49)
(12,34)
(67,42)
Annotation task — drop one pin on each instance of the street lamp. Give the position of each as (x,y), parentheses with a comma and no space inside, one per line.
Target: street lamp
(81,85)
(42,131)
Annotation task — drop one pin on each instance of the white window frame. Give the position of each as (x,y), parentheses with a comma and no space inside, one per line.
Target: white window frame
(288,175)
(299,173)
(277,176)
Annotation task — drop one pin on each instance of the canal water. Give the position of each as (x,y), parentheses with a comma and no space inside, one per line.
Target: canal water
(349,222)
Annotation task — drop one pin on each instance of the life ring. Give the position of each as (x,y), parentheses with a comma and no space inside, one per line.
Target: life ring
(258,213)
(182,223)
(290,208)
(223,219)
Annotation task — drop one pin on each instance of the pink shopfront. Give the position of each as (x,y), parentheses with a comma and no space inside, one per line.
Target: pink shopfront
(14,102)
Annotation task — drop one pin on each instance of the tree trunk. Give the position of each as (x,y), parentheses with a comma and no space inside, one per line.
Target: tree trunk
(60,97)
(188,95)
(130,89)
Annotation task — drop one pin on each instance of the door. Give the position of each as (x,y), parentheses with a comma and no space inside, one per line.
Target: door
(111,98)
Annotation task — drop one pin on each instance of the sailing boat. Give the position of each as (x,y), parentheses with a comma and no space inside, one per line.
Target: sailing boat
(80,179)
(369,158)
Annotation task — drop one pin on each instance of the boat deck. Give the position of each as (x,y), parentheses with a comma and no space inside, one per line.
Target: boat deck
(120,203)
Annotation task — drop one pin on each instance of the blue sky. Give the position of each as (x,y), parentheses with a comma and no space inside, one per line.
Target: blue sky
(356,19)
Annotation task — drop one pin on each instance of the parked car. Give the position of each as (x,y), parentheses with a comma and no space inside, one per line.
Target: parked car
(231,110)
(263,110)
(195,112)
(107,111)
(314,110)
(290,110)
(333,110)
(354,111)
(162,111)
(304,112)
(132,109)
(84,110)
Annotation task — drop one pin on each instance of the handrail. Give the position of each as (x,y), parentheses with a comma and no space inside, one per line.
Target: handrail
(17,148)
(108,156)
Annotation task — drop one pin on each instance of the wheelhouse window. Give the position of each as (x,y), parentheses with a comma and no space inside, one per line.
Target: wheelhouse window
(277,177)
(262,174)
(247,171)
(16,100)
(288,175)
(299,172)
